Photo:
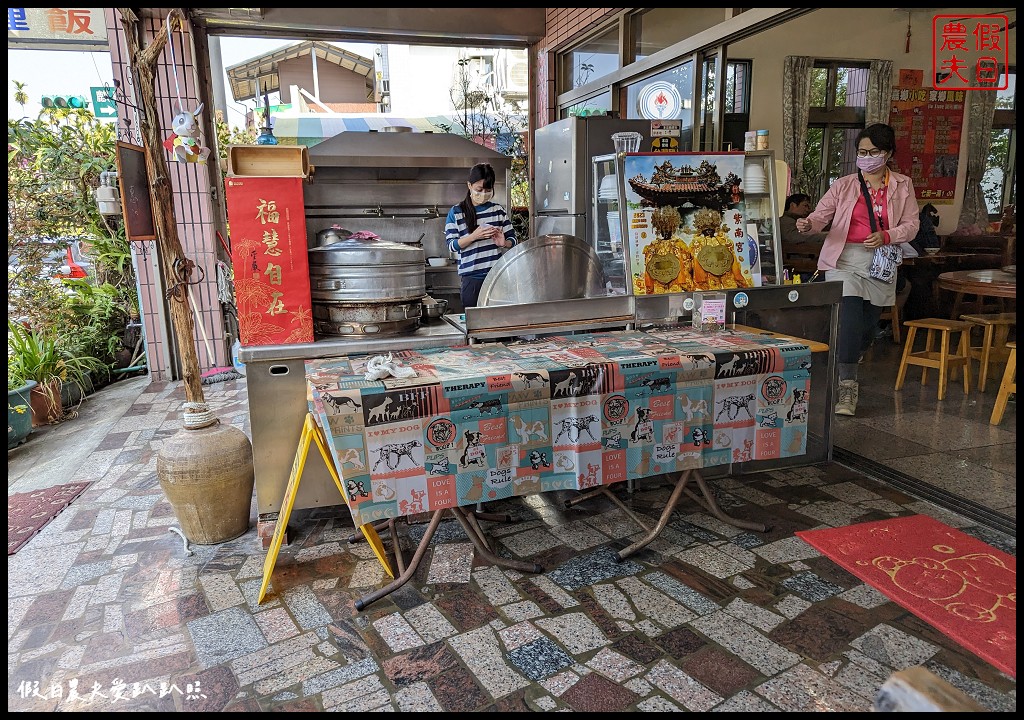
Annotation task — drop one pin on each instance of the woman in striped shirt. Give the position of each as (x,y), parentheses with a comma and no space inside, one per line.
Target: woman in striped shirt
(479,231)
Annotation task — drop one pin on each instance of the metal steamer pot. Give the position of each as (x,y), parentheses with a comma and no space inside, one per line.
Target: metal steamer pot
(364,287)
(333,234)
(434,309)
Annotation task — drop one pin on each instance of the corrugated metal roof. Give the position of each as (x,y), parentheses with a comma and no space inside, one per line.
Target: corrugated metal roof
(254,77)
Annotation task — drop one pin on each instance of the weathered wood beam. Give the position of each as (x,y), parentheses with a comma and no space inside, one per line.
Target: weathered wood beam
(172,257)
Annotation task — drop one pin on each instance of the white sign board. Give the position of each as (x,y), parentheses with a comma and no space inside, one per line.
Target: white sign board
(56,28)
(666,128)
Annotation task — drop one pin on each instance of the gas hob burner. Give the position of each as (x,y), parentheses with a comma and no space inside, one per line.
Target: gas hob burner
(377,318)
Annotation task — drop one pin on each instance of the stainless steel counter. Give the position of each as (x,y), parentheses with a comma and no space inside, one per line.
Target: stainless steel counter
(276,381)
(437,334)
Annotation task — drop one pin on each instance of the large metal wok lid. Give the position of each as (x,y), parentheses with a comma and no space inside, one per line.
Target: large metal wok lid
(544,268)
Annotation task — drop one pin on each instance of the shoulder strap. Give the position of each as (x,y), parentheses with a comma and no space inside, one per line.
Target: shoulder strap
(867,199)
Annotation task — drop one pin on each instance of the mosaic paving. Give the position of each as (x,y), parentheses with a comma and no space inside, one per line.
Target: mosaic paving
(106,612)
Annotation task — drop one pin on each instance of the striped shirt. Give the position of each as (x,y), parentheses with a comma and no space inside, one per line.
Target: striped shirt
(481,256)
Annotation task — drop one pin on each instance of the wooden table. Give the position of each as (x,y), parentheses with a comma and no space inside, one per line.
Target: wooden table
(982,283)
(939,258)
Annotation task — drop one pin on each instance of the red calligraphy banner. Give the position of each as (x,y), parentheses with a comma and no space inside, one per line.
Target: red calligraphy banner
(928,124)
(269,255)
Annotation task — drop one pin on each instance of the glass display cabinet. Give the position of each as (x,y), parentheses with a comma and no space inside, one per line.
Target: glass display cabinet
(763,196)
(605,222)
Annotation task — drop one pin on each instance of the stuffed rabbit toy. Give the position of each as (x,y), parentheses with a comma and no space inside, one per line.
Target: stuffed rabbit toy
(183,143)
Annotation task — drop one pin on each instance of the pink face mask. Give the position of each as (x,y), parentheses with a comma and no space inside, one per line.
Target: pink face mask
(871,164)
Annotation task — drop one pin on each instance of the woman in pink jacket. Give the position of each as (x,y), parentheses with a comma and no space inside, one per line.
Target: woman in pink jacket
(868,209)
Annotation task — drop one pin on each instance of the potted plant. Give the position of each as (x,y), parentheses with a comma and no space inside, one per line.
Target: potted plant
(19,409)
(33,356)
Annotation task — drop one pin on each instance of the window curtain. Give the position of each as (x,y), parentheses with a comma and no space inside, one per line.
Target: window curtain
(796,102)
(877,102)
(981,108)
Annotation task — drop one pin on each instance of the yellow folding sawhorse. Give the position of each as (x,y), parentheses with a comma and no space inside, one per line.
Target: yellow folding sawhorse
(311,432)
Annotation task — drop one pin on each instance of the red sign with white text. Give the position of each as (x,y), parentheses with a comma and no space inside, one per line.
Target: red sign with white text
(269,255)
(927,124)
(970,52)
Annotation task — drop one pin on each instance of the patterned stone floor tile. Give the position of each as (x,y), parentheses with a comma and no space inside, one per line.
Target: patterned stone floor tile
(539,659)
(614,666)
(682,688)
(452,562)
(575,631)
(224,636)
(802,689)
(596,693)
(705,617)
(397,632)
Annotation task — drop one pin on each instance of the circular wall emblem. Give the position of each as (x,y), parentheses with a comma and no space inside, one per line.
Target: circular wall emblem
(688,303)
(659,100)
(793,296)
(740,300)
(441,432)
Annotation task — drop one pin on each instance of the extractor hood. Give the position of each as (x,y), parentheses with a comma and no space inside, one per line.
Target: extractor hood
(402,149)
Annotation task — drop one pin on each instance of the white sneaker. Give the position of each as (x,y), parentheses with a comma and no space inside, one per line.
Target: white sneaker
(847,404)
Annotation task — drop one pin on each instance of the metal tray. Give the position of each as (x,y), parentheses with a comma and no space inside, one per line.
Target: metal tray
(542,269)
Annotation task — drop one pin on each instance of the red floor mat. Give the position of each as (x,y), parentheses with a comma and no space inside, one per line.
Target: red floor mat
(29,512)
(952,581)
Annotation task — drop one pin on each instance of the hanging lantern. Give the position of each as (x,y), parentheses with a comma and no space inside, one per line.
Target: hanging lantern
(266,136)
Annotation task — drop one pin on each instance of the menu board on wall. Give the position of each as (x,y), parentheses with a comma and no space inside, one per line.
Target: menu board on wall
(687,227)
(928,123)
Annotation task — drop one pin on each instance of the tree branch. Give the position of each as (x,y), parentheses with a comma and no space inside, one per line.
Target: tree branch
(142,64)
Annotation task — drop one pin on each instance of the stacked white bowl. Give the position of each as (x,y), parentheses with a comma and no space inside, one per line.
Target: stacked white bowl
(754,180)
(608,189)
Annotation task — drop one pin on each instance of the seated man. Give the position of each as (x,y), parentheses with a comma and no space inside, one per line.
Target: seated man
(799,250)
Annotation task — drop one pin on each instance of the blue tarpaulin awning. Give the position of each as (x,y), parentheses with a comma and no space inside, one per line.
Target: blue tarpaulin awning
(310,130)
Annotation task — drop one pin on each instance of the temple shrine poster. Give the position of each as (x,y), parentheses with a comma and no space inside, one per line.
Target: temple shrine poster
(687,228)
(927,123)
(267,219)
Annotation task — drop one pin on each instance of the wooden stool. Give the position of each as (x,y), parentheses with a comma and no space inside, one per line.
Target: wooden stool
(993,343)
(1007,386)
(945,362)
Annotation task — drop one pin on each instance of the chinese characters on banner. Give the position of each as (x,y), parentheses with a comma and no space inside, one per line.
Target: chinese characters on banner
(268,249)
(68,27)
(927,123)
(970,52)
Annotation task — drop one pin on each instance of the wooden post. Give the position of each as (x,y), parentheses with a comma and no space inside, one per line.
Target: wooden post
(172,257)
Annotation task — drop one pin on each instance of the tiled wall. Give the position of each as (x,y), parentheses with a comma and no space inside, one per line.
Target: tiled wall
(193,211)
(563,25)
